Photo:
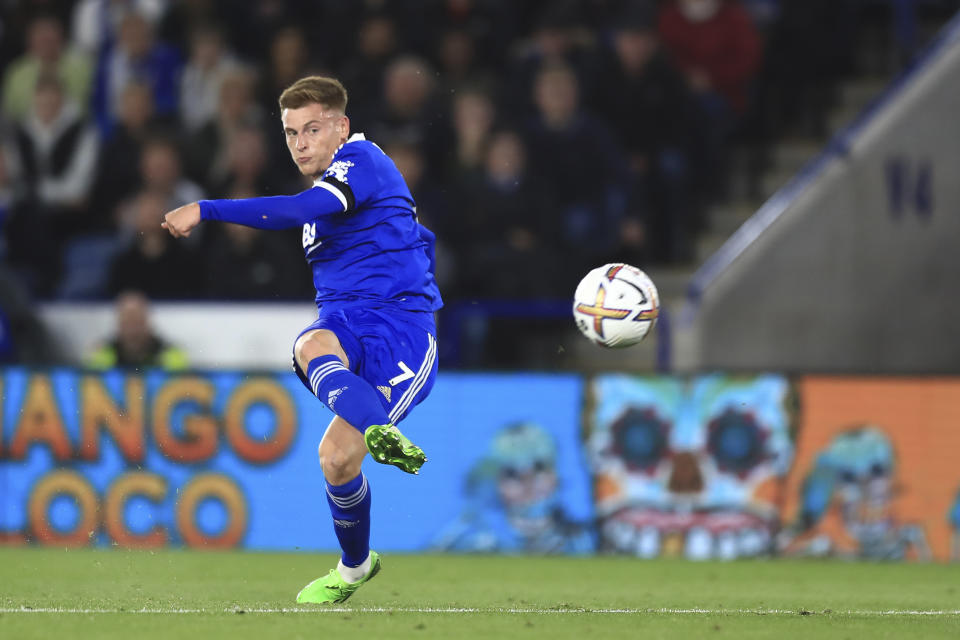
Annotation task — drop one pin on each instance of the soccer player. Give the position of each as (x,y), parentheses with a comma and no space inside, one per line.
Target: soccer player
(371,355)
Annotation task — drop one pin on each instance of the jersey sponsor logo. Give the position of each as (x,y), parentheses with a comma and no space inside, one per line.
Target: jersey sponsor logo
(344,524)
(338,170)
(309,234)
(385,390)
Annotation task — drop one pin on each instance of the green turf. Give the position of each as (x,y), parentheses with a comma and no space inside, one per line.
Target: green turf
(225,595)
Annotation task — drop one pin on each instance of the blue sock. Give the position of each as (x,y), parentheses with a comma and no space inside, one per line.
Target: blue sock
(345,393)
(350,507)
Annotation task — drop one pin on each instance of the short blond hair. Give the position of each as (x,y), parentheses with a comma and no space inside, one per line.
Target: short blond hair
(328,92)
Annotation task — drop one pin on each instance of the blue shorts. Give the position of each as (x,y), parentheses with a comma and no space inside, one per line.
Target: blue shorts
(395,351)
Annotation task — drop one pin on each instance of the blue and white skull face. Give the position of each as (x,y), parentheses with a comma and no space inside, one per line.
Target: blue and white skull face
(524,456)
(855,474)
(863,462)
(857,467)
(678,464)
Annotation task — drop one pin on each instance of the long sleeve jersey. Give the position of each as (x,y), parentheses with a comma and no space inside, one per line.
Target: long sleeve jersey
(360,235)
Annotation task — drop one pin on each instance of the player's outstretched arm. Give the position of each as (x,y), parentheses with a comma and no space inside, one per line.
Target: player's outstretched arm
(273,212)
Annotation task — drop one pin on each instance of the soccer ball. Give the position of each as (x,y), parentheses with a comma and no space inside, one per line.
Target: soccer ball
(616,305)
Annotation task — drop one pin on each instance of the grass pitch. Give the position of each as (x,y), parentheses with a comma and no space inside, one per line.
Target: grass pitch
(48,593)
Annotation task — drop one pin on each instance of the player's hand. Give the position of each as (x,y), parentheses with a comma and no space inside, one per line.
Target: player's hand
(181,221)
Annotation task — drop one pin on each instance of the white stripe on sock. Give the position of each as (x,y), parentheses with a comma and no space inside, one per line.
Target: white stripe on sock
(319,370)
(345,502)
(321,373)
(354,500)
(323,369)
(327,373)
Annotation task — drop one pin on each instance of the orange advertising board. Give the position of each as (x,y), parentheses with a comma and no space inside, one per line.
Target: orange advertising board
(876,471)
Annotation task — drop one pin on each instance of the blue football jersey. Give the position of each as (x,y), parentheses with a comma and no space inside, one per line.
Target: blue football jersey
(360,232)
(374,251)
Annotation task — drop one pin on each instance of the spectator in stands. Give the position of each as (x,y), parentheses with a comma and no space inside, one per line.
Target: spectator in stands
(457,58)
(248,168)
(558,39)
(245,164)
(502,232)
(649,106)
(46,55)
(55,156)
(56,149)
(209,63)
(432,200)
(410,163)
(289,61)
(15,19)
(715,43)
(206,149)
(576,155)
(153,263)
(244,263)
(409,110)
(181,19)
(135,344)
(118,173)
(492,26)
(161,173)
(96,23)
(376,44)
(137,56)
(252,29)
(472,118)
(23,337)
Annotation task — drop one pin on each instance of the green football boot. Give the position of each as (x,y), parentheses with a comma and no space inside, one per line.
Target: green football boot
(332,588)
(388,446)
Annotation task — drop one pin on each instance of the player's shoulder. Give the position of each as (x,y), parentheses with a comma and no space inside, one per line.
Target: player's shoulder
(357,156)
(362,159)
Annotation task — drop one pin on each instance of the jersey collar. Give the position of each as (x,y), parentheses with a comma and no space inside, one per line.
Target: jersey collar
(354,138)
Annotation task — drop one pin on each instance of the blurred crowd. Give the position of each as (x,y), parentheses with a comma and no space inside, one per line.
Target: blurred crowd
(539,138)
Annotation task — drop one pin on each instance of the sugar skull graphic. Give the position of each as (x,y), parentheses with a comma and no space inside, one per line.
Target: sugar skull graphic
(689,468)
(513,503)
(846,503)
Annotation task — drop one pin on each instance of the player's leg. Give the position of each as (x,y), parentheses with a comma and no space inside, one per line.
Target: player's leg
(323,359)
(324,362)
(341,451)
(341,454)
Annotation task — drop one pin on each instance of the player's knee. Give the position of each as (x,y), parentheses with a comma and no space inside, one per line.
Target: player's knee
(339,466)
(315,344)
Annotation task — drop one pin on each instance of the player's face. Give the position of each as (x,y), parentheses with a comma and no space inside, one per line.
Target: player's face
(313,134)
